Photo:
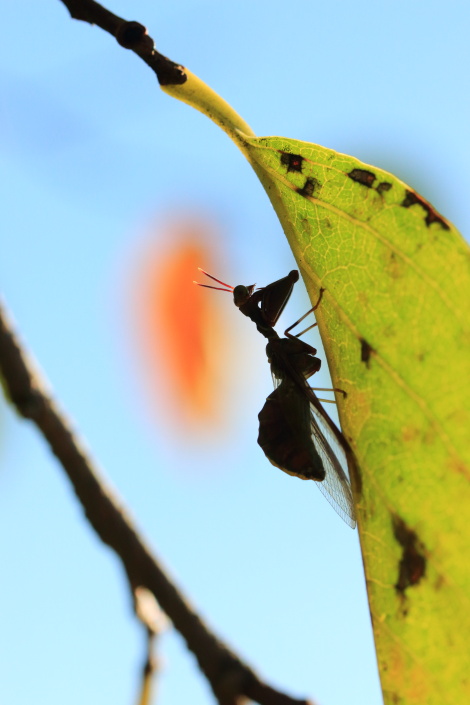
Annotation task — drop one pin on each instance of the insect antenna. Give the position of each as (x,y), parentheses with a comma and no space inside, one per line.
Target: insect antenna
(207,286)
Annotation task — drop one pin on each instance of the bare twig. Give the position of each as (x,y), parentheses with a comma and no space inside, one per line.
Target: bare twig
(130,35)
(231,680)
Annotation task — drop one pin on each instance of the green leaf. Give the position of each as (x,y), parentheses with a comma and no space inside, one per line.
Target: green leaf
(395,326)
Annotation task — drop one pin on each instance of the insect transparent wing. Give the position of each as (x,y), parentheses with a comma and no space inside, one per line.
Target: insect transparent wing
(277,377)
(335,487)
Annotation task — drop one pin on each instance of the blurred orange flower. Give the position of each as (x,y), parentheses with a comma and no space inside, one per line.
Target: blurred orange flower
(182,329)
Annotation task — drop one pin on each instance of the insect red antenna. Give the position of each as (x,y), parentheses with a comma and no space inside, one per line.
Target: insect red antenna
(229,288)
(207,286)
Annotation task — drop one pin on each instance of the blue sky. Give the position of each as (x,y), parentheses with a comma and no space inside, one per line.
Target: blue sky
(94,156)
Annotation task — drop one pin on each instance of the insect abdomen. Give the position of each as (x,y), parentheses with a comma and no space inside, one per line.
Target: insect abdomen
(284,433)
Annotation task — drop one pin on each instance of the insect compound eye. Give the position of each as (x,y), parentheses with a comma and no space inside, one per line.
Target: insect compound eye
(241,294)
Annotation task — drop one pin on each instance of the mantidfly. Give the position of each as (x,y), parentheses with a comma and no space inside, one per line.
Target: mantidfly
(295,432)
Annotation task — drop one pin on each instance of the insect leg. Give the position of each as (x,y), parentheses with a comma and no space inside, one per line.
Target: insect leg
(314,308)
(289,335)
(334,389)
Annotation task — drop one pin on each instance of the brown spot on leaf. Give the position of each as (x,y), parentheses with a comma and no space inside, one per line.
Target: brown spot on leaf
(412,564)
(383,187)
(308,188)
(362,176)
(366,351)
(306,226)
(410,433)
(394,265)
(293,162)
(432,216)
(356,476)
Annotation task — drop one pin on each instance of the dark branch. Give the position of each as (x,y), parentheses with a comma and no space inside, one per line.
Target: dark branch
(230,678)
(131,35)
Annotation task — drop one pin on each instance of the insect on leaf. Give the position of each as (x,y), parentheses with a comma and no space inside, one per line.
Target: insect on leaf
(396,330)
